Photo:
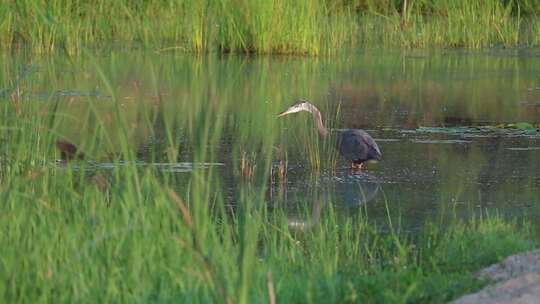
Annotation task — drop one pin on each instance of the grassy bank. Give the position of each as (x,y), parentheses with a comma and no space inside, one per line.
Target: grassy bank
(299,27)
(112,228)
(449,23)
(304,27)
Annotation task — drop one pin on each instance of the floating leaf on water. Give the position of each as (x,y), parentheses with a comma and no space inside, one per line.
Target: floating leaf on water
(521,126)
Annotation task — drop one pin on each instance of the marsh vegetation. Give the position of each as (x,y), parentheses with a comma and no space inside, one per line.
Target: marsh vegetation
(285,27)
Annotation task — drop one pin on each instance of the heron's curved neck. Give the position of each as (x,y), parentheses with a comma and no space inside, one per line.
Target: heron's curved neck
(318,120)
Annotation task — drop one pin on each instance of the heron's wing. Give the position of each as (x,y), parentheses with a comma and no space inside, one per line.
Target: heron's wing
(357,145)
(374,150)
(351,146)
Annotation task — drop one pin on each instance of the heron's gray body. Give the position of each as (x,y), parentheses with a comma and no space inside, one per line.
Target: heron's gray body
(357,146)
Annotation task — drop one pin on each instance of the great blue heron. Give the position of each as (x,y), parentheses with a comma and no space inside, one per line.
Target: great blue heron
(355,145)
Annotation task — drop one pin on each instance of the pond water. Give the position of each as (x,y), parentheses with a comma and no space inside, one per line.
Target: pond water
(394,95)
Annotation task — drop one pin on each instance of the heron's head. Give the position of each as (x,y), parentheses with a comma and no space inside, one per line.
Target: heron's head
(299,106)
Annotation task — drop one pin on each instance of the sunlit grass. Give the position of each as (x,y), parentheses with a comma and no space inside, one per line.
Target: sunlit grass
(276,27)
(469,24)
(299,27)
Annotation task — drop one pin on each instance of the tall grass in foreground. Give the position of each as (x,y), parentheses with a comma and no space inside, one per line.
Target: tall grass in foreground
(142,233)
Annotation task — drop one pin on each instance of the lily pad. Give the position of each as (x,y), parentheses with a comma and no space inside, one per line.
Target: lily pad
(521,126)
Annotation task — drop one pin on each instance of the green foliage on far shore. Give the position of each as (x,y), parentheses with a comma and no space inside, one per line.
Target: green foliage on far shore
(302,27)
(264,26)
(451,23)
(261,26)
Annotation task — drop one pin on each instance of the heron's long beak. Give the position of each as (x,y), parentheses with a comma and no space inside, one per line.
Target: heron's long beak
(293,109)
(284,113)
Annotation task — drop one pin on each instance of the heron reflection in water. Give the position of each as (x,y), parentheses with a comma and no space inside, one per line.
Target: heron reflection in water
(348,192)
(355,145)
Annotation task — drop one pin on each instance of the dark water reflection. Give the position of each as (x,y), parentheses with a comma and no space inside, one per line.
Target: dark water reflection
(390,94)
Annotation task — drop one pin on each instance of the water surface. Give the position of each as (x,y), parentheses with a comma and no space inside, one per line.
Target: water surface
(391,94)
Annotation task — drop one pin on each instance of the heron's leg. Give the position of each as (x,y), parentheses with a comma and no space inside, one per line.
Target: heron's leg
(357,166)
